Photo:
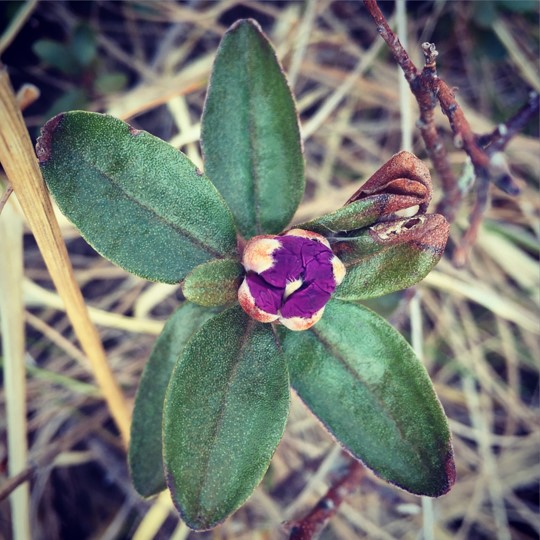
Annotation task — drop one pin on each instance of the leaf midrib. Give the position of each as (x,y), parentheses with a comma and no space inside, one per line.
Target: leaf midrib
(192,238)
(335,352)
(252,128)
(220,418)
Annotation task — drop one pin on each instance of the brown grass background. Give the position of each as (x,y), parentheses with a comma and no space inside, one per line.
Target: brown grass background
(478,325)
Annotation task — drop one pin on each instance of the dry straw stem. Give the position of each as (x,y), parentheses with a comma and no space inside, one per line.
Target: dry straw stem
(38,296)
(12,328)
(16,24)
(21,167)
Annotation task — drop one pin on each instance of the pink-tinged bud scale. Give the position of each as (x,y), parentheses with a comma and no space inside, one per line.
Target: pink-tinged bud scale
(289,278)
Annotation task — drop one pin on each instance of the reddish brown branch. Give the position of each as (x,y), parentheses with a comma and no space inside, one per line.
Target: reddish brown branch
(485,152)
(423,87)
(11,484)
(396,48)
(497,140)
(345,485)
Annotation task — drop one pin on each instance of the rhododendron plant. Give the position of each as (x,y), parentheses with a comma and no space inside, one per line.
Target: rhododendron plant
(268,304)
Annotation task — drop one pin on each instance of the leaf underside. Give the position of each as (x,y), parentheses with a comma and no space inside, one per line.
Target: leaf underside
(137,200)
(145,451)
(225,412)
(363,381)
(250,134)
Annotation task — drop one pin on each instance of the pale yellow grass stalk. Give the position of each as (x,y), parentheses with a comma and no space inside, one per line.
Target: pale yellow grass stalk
(12,327)
(20,164)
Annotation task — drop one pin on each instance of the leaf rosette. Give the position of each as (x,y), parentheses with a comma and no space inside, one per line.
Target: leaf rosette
(214,397)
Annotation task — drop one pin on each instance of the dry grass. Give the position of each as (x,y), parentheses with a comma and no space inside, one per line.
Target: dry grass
(480,324)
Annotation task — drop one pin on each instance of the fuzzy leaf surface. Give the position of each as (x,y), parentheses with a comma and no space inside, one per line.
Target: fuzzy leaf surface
(145,451)
(214,283)
(250,135)
(364,382)
(137,200)
(356,215)
(225,412)
(390,256)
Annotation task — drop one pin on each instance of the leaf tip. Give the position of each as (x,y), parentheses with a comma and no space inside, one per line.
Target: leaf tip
(449,478)
(245,22)
(450,469)
(44,142)
(198,521)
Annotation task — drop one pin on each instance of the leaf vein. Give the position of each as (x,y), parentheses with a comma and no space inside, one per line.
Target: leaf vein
(175,226)
(220,417)
(335,352)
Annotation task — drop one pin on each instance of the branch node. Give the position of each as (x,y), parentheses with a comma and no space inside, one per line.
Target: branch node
(430,54)
(458,141)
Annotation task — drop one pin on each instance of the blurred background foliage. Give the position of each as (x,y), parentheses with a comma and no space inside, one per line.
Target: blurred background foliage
(148,63)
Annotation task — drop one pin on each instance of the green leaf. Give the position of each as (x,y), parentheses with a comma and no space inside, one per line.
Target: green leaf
(109,83)
(363,381)
(250,135)
(136,199)
(357,215)
(214,283)
(145,451)
(225,412)
(83,44)
(57,55)
(390,256)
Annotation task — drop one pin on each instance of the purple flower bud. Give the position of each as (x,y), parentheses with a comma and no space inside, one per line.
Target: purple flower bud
(289,278)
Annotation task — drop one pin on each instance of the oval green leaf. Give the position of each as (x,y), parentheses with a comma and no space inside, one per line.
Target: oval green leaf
(145,450)
(390,256)
(364,382)
(135,199)
(214,283)
(58,55)
(250,134)
(225,412)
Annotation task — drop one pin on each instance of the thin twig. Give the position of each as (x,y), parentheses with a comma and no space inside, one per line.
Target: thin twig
(484,152)
(497,140)
(314,522)
(481,203)
(16,24)
(421,85)
(45,456)
(11,484)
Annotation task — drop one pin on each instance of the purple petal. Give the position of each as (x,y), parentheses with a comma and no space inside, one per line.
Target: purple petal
(305,301)
(287,262)
(321,270)
(301,259)
(267,297)
(313,250)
